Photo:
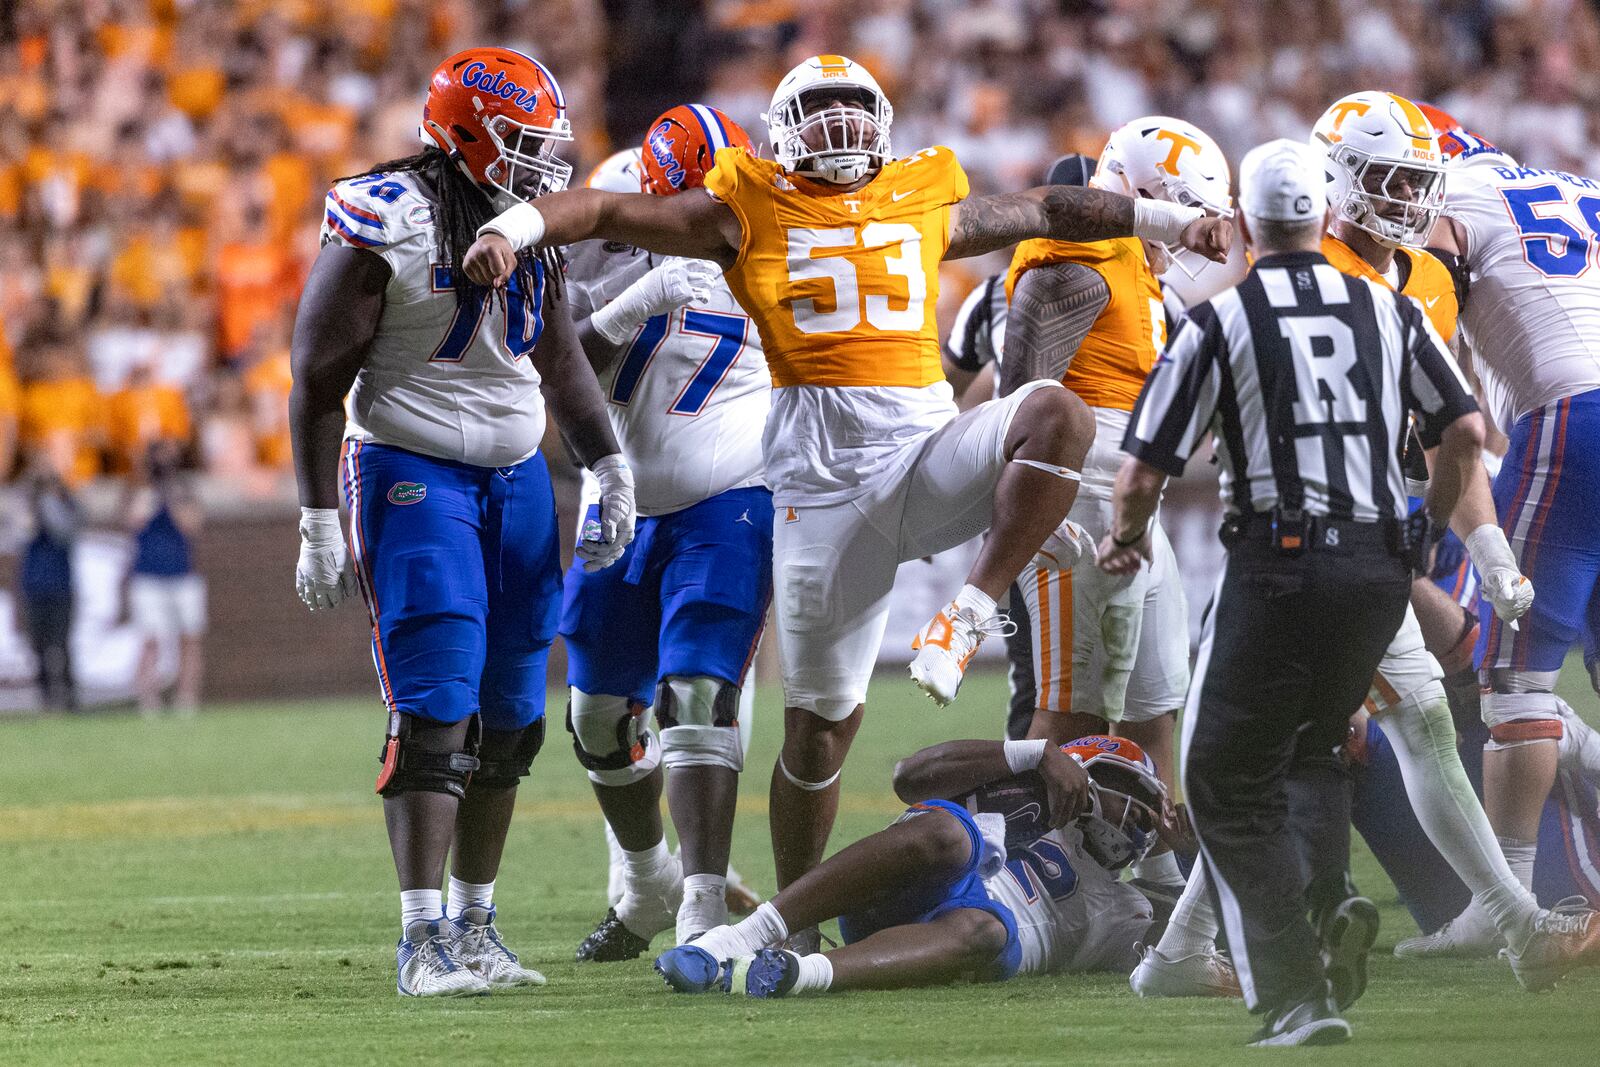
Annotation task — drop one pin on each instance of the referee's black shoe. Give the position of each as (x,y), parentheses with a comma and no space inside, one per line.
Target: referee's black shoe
(1347,931)
(1313,1021)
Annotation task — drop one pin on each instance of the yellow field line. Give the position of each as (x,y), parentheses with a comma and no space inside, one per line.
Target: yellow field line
(172,817)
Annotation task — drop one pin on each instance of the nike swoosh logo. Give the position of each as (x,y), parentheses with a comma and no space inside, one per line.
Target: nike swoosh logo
(1430,303)
(897,197)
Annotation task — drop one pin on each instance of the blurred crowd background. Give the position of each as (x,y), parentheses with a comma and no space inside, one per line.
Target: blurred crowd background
(162,161)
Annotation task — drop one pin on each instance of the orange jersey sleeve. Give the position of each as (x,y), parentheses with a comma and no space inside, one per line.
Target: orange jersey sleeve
(842,286)
(1428,281)
(1123,344)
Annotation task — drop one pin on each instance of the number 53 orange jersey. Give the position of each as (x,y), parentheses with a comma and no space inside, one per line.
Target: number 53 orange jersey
(842,286)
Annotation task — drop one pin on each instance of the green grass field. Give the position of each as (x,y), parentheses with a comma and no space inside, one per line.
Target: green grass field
(219,891)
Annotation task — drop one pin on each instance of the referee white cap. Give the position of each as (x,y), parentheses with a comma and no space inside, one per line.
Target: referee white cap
(1283,181)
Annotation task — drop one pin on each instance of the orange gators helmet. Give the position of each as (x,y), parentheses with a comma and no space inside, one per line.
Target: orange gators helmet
(682,145)
(1458,144)
(1118,768)
(499,114)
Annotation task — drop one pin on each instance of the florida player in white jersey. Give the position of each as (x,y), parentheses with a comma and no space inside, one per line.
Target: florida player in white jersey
(1526,237)
(453,524)
(987,875)
(675,626)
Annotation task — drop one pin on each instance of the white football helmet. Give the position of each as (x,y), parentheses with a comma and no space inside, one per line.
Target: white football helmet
(1385,172)
(620,172)
(1168,159)
(839,144)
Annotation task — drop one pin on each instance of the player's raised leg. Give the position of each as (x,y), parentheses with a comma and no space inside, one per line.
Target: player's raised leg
(1028,447)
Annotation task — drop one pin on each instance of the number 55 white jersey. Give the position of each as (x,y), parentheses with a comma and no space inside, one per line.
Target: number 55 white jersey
(1532,315)
(689,396)
(449,380)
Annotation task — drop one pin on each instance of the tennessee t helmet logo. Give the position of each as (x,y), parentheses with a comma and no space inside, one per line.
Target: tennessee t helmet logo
(660,145)
(1179,143)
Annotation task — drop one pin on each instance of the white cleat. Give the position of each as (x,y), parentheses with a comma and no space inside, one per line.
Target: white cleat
(428,967)
(478,948)
(947,644)
(1469,936)
(1204,974)
(1564,937)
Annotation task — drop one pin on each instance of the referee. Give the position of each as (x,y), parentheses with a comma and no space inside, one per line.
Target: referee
(1308,379)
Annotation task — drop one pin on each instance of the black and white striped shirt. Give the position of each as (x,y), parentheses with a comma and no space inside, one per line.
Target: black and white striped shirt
(1308,378)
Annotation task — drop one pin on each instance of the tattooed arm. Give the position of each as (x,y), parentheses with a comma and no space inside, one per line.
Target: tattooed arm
(1052,310)
(1067,213)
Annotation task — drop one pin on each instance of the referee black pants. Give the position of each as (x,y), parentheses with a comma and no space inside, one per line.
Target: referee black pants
(1288,653)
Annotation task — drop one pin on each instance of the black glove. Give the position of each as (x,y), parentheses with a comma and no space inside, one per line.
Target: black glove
(1421,536)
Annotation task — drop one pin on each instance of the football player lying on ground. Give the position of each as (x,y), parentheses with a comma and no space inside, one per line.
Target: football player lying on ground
(1005,863)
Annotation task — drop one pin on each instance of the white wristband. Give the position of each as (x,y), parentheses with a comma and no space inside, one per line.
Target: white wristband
(320,525)
(521,224)
(1489,549)
(1025,755)
(617,320)
(1160,221)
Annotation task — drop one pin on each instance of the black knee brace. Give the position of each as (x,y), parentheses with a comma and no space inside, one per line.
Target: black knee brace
(507,755)
(420,755)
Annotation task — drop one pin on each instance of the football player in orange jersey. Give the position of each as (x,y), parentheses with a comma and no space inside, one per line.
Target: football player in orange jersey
(833,249)
(1109,650)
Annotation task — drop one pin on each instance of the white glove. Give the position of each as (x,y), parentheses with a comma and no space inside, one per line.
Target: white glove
(667,287)
(1504,584)
(605,538)
(1064,547)
(321,577)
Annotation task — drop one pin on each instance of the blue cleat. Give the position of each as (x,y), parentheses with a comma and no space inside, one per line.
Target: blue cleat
(772,972)
(691,969)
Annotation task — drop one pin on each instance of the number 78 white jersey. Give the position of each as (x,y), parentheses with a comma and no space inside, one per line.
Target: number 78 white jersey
(1532,315)
(689,396)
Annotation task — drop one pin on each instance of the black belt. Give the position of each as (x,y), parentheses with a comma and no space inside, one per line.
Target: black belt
(1295,532)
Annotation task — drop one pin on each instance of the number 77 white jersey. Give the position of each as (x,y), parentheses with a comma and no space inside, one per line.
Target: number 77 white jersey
(1532,315)
(689,396)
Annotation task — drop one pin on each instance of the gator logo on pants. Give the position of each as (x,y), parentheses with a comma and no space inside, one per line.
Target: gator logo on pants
(407,493)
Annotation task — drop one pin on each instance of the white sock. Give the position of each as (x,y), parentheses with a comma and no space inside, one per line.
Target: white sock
(426,905)
(1193,926)
(976,602)
(1519,857)
(1161,869)
(1423,737)
(815,974)
(464,895)
(762,929)
(646,865)
(704,907)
